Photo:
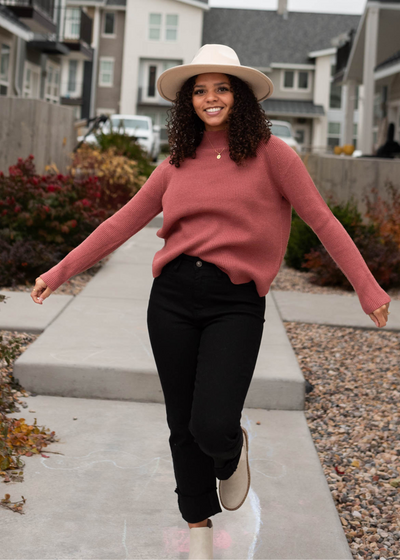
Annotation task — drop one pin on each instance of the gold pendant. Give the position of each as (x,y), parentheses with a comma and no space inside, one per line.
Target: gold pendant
(219,156)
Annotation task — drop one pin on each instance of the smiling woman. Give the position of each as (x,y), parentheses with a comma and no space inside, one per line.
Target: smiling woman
(226,193)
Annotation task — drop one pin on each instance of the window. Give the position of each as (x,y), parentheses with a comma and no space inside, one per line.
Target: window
(334,129)
(155,27)
(297,80)
(72,23)
(72,72)
(52,83)
(289,79)
(109,23)
(151,85)
(171,29)
(150,70)
(106,73)
(157,32)
(4,68)
(303,80)
(335,99)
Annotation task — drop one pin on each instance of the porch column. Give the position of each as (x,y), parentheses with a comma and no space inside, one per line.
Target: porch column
(349,112)
(95,47)
(370,49)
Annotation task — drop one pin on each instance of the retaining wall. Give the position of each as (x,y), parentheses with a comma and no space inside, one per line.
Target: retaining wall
(37,127)
(345,177)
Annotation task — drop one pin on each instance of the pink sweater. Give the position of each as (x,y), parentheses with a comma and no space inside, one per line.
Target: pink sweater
(235,217)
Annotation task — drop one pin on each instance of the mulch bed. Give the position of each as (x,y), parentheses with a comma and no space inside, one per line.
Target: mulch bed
(299,281)
(354,419)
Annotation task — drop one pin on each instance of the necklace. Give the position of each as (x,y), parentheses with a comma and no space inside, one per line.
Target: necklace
(219,153)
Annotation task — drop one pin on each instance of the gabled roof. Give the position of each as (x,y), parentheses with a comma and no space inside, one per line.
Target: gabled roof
(261,37)
(200,3)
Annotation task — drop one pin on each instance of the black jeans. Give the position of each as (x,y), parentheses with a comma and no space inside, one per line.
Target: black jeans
(205,334)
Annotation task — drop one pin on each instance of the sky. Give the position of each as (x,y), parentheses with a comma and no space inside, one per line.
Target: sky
(321,6)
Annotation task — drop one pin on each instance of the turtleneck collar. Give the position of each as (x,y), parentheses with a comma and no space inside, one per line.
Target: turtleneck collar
(218,139)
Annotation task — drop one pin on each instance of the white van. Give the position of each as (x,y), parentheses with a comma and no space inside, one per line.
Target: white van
(284,131)
(148,136)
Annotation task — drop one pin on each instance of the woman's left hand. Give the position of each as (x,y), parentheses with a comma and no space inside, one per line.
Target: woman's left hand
(380,315)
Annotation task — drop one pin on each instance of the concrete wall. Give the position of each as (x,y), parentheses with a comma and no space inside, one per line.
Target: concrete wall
(33,126)
(345,177)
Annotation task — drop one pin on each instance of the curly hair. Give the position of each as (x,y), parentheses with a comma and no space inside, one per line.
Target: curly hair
(247,124)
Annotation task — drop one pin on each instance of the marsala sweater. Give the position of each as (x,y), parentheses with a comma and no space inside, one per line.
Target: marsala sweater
(237,217)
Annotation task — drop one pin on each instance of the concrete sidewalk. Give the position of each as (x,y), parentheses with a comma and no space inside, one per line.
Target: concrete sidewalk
(110,495)
(332,309)
(99,346)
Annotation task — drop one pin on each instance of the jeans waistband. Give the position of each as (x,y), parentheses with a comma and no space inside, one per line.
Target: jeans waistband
(175,263)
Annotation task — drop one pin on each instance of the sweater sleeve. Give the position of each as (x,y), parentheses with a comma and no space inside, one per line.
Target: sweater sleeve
(299,189)
(111,233)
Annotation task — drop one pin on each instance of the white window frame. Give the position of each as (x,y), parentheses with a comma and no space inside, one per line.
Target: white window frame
(70,22)
(295,80)
(161,65)
(171,27)
(106,59)
(27,90)
(52,96)
(5,80)
(153,26)
(103,28)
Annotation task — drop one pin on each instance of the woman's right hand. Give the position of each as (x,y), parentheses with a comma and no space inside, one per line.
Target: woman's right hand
(41,291)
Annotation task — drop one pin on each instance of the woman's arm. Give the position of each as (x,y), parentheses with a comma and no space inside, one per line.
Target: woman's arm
(111,233)
(299,189)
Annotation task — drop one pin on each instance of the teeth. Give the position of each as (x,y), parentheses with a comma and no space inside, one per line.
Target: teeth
(213,110)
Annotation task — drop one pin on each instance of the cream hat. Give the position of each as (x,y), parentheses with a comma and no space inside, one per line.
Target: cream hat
(213,58)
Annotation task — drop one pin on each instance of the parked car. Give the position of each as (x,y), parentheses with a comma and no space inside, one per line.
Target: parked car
(284,131)
(147,135)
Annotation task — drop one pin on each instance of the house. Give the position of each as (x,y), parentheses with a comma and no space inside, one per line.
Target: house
(41,48)
(160,34)
(370,60)
(298,52)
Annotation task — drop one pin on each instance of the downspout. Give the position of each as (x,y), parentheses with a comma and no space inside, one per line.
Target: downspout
(17,69)
(95,47)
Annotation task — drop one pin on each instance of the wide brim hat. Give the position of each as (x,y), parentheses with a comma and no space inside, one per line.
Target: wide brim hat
(213,58)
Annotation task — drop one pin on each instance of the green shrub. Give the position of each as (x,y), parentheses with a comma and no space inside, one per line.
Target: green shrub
(126,146)
(377,242)
(302,238)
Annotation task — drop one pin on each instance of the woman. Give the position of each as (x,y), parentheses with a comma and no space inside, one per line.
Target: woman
(226,193)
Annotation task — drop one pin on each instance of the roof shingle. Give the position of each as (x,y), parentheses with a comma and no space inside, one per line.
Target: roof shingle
(261,37)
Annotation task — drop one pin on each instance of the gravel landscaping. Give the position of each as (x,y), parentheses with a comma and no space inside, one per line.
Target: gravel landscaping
(354,419)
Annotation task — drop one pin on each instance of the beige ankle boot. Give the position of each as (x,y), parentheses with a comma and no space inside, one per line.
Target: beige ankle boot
(201,542)
(234,490)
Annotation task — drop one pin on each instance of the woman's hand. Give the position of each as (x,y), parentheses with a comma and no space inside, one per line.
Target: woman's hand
(380,315)
(41,291)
